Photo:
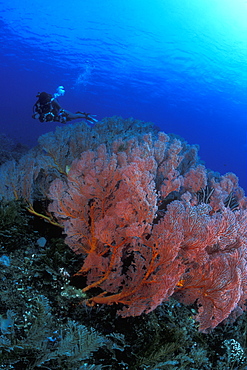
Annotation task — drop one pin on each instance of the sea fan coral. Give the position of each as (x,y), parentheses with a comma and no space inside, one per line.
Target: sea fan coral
(149,219)
(137,215)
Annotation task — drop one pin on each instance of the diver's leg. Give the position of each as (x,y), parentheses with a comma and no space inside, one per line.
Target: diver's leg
(70,116)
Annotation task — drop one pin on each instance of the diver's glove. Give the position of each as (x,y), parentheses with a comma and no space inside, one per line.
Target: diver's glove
(89,117)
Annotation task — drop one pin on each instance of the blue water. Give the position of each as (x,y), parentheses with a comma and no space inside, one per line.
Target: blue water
(181,64)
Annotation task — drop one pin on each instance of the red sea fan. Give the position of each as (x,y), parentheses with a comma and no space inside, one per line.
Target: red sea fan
(216,287)
(216,266)
(108,208)
(152,222)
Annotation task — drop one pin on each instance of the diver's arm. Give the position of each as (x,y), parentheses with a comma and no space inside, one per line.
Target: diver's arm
(56,105)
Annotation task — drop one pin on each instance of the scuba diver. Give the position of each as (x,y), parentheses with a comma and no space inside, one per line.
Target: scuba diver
(47,109)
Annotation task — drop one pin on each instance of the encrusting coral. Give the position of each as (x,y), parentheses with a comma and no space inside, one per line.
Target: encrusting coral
(148,218)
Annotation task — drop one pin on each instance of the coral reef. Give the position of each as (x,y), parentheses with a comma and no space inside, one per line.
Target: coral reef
(146,226)
(135,212)
(9,150)
(50,328)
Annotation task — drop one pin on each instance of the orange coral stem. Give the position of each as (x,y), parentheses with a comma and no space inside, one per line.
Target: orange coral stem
(46,218)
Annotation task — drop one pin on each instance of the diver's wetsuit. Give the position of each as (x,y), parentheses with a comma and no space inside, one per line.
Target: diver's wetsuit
(47,109)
